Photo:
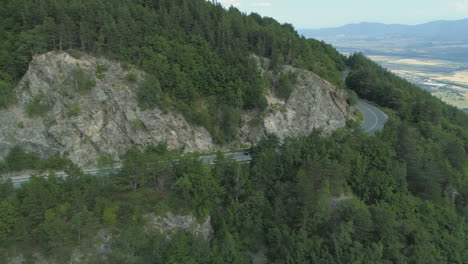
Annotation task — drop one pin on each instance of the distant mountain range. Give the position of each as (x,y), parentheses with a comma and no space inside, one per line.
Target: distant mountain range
(445,31)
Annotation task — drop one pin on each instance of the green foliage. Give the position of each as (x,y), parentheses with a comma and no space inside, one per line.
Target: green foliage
(109,216)
(74,110)
(331,199)
(54,230)
(199,189)
(230,123)
(352,97)
(150,168)
(255,122)
(6,188)
(138,125)
(79,81)
(105,161)
(398,197)
(8,219)
(132,77)
(195,50)
(37,108)
(17,159)
(285,84)
(149,93)
(7,95)
(101,71)
(75,53)
(428,140)
(135,245)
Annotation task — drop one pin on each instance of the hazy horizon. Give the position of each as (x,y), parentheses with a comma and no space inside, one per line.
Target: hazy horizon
(376,22)
(317,14)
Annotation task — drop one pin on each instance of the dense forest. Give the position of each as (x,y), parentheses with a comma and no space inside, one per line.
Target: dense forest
(195,53)
(347,198)
(400,196)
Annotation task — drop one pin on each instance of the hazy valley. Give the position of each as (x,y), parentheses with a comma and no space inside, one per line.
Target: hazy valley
(433,56)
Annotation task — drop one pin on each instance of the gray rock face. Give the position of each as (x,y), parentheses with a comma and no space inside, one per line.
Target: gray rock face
(106,119)
(171,223)
(82,125)
(313,104)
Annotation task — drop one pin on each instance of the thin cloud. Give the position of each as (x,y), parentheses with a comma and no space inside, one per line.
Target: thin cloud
(262,4)
(230,2)
(461,6)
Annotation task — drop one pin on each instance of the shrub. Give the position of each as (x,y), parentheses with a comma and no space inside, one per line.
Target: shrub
(80,81)
(73,111)
(230,123)
(6,94)
(352,97)
(138,125)
(37,107)
(131,77)
(149,93)
(255,122)
(75,53)
(125,66)
(285,85)
(100,71)
(55,162)
(105,160)
(18,160)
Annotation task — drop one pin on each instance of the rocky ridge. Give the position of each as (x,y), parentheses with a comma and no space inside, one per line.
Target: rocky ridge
(106,119)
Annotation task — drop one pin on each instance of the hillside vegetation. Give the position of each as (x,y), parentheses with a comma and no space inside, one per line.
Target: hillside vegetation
(197,54)
(400,196)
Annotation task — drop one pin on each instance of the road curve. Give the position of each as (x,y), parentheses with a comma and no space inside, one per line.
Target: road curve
(373,118)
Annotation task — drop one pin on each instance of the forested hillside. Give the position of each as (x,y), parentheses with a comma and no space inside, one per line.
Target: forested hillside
(347,198)
(400,196)
(197,54)
(430,137)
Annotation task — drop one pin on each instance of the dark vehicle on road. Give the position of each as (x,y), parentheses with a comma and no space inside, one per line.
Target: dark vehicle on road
(249,151)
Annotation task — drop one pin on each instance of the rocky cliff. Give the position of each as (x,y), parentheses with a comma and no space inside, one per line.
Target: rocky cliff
(84,107)
(313,104)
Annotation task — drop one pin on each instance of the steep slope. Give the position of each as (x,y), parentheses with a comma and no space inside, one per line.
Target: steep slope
(197,51)
(86,107)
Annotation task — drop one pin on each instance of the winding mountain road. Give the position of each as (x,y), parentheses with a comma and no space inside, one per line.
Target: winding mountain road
(374,120)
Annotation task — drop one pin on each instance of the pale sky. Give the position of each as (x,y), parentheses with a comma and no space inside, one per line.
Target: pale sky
(331,13)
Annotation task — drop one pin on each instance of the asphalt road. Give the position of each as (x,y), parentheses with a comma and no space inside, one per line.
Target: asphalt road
(239,157)
(374,118)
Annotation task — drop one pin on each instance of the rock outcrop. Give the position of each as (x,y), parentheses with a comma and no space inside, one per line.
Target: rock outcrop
(106,118)
(171,223)
(313,104)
